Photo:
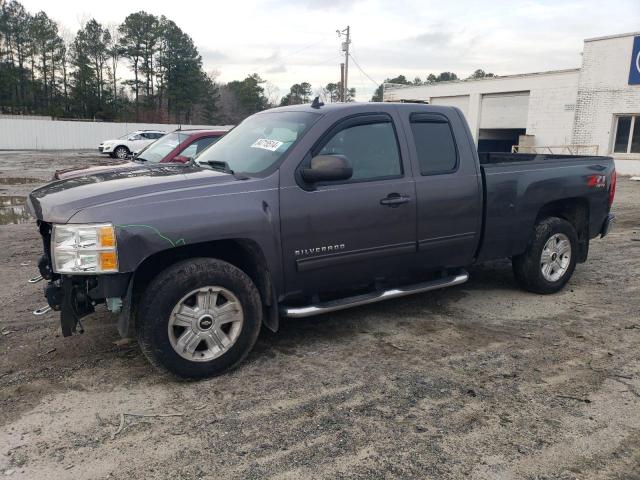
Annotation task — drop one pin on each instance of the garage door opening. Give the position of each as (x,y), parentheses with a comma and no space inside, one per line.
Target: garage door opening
(498,139)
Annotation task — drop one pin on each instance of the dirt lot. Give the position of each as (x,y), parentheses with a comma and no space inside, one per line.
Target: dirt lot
(479,381)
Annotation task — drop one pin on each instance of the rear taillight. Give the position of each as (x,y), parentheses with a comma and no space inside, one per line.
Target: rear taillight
(612,187)
(596,181)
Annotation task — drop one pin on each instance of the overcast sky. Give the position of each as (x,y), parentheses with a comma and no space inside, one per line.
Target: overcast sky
(289,42)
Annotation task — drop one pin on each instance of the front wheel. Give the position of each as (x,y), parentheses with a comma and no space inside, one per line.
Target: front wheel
(120,152)
(199,318)
(550,259)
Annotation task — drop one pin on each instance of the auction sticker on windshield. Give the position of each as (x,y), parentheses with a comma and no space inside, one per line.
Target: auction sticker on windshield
(266,144)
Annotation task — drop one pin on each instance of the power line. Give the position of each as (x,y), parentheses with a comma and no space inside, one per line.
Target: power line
(361,80)
(332,58)
(293,54)
(281,59)
(377,84)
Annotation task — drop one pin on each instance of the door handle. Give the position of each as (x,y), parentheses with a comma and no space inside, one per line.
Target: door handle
(394,200)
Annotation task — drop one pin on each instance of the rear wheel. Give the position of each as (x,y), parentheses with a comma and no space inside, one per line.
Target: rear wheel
(121,152)
(550,259)
(199,318)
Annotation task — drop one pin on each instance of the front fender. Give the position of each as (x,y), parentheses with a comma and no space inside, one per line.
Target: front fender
(156,223)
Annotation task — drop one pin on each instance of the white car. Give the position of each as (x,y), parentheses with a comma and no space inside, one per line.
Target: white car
(129,143)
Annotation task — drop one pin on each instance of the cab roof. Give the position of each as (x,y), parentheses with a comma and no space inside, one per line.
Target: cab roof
(348,106)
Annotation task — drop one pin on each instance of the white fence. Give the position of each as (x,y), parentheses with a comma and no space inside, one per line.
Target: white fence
(29,134)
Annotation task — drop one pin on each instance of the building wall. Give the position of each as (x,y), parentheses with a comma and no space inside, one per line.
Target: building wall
(462,102)
(603,92)
(549,112)
(30,134)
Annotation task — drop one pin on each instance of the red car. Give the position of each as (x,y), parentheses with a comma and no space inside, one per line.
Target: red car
(174,147)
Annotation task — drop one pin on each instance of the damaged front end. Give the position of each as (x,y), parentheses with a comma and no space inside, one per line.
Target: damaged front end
(76,295)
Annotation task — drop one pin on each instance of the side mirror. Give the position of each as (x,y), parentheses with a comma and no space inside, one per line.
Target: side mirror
(181,159)
(327,168)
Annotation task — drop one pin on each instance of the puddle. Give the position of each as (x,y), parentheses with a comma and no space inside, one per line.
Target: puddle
(19,180)
(13,210)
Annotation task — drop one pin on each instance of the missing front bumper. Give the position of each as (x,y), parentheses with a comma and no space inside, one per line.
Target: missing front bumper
(76,296)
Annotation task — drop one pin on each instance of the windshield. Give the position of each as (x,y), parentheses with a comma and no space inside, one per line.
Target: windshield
(259,141)
(159,149)
(126,135)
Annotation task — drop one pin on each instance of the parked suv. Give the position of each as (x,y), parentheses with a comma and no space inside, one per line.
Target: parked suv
(129,143)
(174,147)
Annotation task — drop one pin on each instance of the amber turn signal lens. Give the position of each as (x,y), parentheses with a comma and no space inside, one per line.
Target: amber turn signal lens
(108,261)
(107,237)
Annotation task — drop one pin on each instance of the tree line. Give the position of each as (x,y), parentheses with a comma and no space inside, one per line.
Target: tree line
(302,93)
(429,80)
(47,71)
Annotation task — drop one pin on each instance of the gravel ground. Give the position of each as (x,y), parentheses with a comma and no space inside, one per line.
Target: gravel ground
(477,381)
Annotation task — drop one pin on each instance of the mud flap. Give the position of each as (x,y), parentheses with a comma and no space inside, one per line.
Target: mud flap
(607,224)
(270,313)
(124,317)
(68,317)
(75,305)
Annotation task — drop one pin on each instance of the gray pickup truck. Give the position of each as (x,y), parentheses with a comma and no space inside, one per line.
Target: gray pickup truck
(304,210)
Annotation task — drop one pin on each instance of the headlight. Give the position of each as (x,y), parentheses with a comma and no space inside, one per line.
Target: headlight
(84,249)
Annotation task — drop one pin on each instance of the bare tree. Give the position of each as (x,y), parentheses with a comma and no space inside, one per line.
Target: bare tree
(114,52)
(272,92)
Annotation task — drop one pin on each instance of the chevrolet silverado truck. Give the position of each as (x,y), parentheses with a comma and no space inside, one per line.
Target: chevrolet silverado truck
(304,210)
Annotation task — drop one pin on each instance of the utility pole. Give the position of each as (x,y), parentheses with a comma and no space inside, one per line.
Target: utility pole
(341,93)
(345,48)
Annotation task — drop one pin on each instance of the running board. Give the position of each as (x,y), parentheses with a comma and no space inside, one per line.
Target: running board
(356,301)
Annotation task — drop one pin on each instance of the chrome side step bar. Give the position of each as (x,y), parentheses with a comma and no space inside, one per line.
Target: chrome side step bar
(356,301)
(42,310)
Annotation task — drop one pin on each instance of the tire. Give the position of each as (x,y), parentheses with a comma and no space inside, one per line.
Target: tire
(121,152)
(199,350)
(544,267)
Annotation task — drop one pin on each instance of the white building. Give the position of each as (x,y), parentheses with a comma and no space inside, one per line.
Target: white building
(593,109)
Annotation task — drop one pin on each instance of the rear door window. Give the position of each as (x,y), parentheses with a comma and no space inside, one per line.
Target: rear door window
(435,145)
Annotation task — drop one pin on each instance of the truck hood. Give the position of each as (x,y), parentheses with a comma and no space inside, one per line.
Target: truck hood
(65,173)
(58,201)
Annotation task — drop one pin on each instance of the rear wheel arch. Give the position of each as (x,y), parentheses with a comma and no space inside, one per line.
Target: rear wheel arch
(576,212)
(552,247)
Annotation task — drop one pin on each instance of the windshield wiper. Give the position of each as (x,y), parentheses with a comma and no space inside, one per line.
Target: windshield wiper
(220,166)
(224,167)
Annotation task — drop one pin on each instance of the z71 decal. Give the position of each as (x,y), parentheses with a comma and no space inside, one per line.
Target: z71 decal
(597,181)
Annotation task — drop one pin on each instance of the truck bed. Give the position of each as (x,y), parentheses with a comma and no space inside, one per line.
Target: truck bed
(491,158)
(517,186)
